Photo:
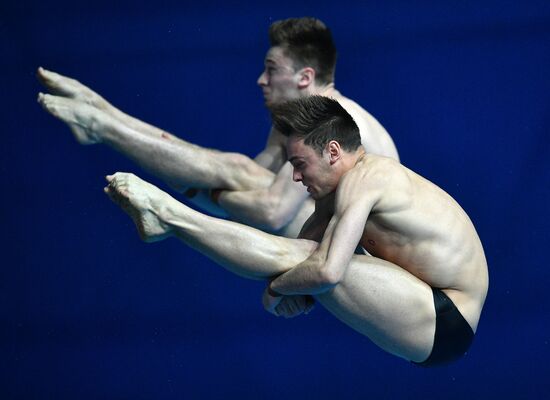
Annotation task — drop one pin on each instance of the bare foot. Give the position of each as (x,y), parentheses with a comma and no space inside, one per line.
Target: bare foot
(81,118)
(71,88)
(142,202)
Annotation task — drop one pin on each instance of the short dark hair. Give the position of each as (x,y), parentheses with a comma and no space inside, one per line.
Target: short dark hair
(318,120)
(308,42)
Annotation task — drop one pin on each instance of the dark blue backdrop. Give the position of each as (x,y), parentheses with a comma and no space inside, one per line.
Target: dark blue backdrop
(89,311)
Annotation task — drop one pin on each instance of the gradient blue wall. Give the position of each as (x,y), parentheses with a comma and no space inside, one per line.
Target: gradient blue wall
(89,311)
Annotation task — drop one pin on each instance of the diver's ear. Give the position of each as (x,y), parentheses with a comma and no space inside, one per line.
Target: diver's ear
(334,151)
(306,77)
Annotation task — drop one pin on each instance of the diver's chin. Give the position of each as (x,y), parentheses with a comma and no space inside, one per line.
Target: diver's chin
(314,195)
(269,104)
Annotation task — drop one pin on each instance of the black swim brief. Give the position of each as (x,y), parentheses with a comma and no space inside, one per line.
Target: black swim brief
(453,334)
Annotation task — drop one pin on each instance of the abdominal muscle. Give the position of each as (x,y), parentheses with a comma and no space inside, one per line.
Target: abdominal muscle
(458,268)
(423,258)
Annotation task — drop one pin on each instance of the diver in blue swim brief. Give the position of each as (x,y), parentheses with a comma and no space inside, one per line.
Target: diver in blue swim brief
(453,334)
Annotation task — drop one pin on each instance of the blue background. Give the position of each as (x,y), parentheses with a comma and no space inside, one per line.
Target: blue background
(89,311)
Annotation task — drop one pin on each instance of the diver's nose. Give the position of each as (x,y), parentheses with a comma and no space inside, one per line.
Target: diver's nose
(262,79)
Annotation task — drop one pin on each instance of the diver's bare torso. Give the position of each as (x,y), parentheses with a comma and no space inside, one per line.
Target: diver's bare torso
(417,226)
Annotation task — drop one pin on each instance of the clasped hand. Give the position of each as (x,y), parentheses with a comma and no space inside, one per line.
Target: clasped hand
(287,306)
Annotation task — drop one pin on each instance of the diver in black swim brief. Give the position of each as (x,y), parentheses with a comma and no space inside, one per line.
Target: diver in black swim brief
(417,235)
(453,334)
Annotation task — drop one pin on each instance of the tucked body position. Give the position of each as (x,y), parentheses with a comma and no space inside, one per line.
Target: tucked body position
(419,288)
(258,192)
